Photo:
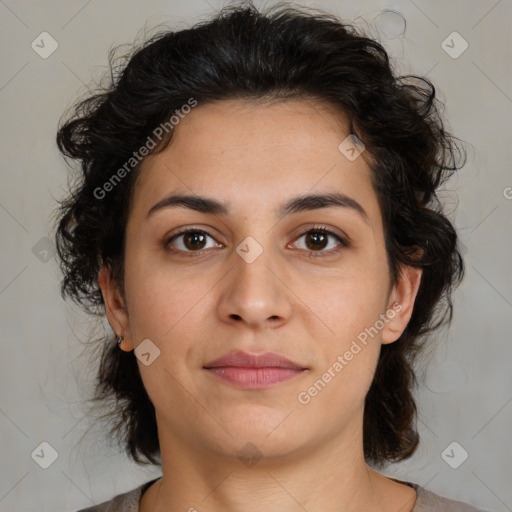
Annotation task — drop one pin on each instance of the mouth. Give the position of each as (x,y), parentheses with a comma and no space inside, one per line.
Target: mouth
(254,371)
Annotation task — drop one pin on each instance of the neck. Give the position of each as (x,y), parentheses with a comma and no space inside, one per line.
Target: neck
(330,478)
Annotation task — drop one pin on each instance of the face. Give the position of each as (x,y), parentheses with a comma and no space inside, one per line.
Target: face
(264,271)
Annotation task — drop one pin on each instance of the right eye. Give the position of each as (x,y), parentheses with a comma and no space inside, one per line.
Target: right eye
(190,241)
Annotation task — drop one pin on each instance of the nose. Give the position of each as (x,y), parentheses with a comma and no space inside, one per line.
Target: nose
(255,294)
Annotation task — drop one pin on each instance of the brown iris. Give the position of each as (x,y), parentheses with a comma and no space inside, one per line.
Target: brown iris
(194,240)
(317,238)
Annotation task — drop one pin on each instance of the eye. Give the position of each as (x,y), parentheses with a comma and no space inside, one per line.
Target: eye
(191,240)
(321,240)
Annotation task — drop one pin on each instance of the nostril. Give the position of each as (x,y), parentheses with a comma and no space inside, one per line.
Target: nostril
(236,317)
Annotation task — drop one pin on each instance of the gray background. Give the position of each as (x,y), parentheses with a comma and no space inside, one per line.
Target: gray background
(466,394)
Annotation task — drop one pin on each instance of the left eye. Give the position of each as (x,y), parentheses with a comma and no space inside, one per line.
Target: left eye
(317,240)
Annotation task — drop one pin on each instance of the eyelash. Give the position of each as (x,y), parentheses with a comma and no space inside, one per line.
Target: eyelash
(313,254)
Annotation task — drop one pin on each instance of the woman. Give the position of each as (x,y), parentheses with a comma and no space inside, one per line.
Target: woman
(257,217)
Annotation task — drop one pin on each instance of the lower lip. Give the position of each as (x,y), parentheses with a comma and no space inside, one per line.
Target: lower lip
(254,378)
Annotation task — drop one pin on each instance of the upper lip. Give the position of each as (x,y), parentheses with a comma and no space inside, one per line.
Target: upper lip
(245,360)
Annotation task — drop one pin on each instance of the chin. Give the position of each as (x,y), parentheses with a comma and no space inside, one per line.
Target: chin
(267,433)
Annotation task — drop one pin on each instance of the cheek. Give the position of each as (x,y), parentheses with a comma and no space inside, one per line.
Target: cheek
(350,305)
(161,306)
(347,302)
(171,313)
(172,309)
(348,354)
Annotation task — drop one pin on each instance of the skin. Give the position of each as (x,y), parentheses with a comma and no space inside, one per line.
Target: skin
(254,157)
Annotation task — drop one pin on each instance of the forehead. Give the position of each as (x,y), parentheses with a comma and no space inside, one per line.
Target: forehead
(257,152)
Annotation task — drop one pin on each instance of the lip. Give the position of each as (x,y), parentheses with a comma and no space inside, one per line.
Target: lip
(254,371)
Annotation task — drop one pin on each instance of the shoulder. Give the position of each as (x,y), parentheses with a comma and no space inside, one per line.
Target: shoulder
(125,502)
(428,501)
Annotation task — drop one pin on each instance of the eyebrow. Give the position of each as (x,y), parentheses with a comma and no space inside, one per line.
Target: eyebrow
(294,205)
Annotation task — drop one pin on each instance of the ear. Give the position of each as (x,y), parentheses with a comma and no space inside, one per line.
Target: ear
(401,303)
(115,307)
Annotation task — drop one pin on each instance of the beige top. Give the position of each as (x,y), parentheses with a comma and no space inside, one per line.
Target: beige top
(426,501)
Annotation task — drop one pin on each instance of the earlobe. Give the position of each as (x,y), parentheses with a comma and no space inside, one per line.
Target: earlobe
(401,303)
(115,307)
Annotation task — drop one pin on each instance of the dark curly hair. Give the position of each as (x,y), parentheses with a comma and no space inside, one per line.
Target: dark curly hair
(284,52)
